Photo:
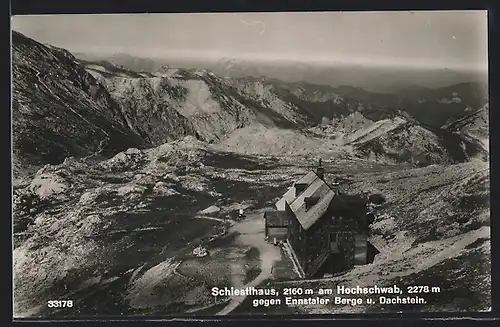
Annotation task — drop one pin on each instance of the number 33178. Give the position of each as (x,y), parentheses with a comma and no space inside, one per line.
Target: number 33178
(60,304)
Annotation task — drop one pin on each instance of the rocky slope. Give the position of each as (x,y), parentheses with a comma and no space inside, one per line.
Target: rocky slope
(59,109)
(433,105)
(393,140)
(266,95)
(349,124)
(258,139)
(88,230)
(475,125)
(374,79)
(434,230)
(102,107)
(403,141)
(110,234)
(114,107)
(172,103)
(429,107)
(367,125)
(229,111)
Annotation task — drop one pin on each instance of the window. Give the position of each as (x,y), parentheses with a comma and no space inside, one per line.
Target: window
(334,242)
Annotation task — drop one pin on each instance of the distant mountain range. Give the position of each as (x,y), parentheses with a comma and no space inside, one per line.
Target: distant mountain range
(64,106)
(431,107)
(375,79)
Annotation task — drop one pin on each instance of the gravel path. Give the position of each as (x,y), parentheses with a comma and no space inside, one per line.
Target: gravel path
(251,232)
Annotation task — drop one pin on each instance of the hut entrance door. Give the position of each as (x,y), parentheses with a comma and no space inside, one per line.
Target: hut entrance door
(334,245)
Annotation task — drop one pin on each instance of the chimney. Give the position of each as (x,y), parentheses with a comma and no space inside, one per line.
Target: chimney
(299,188)
(311,201)
(320,171)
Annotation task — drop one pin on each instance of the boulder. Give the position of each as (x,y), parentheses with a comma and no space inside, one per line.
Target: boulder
(130,159)
(210,210)
(48,185)
(131,191)
(162,188)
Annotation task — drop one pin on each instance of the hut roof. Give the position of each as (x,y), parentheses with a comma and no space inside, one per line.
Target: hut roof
(289,196)
(308,216)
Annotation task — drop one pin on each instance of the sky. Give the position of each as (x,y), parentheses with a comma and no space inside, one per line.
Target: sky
(453,39)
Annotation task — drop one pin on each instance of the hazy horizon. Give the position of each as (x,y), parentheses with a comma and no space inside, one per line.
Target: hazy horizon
(453,39)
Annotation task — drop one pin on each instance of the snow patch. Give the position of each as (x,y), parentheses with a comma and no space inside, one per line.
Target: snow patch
(199,99)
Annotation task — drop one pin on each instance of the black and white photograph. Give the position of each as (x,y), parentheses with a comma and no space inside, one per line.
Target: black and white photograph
(264,163)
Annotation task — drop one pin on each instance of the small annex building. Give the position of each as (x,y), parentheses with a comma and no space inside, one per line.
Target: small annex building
(276,226)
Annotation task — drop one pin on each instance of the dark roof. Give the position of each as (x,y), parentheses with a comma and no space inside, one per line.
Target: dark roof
(308,216)
(275,218)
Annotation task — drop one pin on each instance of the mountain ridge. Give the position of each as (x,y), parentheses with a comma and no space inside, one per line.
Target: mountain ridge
(48,111)
(374,79)
(172,103)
